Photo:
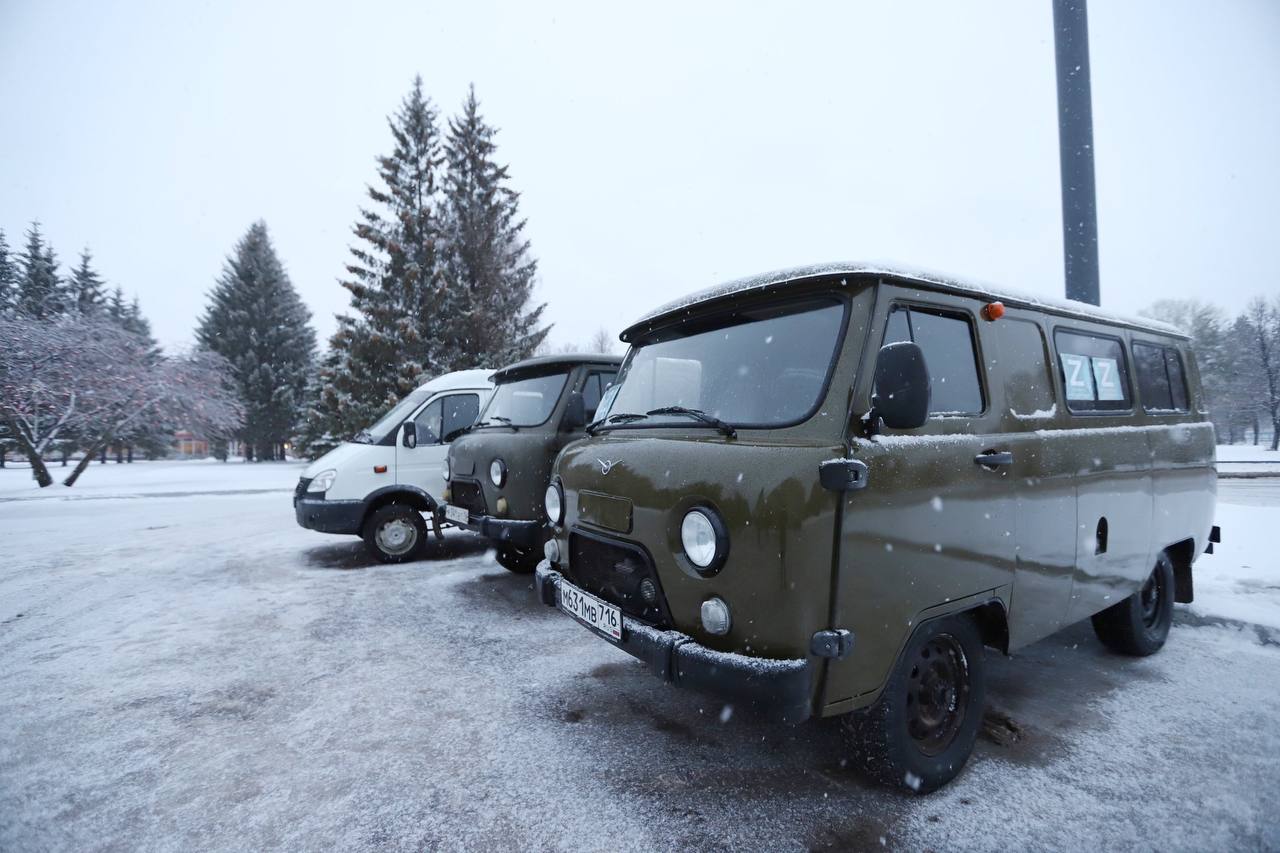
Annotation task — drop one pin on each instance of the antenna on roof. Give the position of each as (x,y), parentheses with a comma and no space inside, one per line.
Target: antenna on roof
(1075,150)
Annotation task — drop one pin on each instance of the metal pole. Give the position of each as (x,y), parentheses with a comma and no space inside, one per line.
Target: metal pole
(1075,150)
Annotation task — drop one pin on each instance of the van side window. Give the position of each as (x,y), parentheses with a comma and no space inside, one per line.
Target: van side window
(1160,378)
(429,422)
(1094,373)
(1028,385)
(593,389)
(947,343)
(460,412)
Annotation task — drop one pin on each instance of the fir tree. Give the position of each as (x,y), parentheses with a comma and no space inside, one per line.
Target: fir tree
(487,265)
(39,292)
(391,341)
(8,278)
(85,287)
(256,321)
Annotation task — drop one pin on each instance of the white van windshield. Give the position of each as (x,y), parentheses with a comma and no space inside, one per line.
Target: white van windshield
(764,367)
(523,402)
(392,419)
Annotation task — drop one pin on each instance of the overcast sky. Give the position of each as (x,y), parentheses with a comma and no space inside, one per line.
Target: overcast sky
(658,148)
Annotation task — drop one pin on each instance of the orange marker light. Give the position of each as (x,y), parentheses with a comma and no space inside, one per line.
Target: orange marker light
(993,311)
(379,469)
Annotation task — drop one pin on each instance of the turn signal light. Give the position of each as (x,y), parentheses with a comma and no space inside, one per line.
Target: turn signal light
(379,469)
(993,311)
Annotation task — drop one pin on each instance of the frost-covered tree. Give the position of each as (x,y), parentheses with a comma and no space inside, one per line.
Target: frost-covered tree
(8,277)
(1262,320)
(488,269)
(86,290)
(256,321)
(391,341)
(40,293)
(89,377)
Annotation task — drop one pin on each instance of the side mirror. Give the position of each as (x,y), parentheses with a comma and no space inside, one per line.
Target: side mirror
(410,437)
(575,412)
(901,395)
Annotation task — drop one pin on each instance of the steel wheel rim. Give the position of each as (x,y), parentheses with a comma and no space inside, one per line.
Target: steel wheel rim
(397,537)
(1149,598)
(937,694)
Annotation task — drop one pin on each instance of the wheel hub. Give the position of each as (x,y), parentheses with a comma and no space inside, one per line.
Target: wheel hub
(937,694)
(396,536)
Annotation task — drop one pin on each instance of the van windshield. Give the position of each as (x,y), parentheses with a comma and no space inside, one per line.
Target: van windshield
(764,367)
(523,402)
(392,419)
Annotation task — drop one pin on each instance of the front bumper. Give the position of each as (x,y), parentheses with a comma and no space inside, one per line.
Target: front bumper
(329,516)
(524,534)
(778,688)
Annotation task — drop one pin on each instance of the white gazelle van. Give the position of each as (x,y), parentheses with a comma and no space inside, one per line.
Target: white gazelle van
(379,484)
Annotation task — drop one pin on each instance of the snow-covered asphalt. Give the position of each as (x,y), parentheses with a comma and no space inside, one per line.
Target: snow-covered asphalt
(182,670)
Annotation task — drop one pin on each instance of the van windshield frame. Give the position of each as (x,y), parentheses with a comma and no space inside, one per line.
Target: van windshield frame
(755,313)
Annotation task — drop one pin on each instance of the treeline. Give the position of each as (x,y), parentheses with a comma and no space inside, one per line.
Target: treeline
(1239,359)
(80,370)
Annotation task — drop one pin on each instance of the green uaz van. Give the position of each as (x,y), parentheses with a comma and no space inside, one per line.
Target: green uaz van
(498,470)
(826,490)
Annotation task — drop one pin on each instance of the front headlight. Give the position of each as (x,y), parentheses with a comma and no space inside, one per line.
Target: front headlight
(498,473)
(323,481)
(553,502)
(704,538)
(448,469)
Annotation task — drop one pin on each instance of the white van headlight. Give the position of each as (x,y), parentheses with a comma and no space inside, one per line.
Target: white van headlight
(704,538)
(323,481)
(553,502)
(498,472)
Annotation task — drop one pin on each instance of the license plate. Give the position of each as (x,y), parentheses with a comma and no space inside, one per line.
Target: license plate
(591,611)
(456,514)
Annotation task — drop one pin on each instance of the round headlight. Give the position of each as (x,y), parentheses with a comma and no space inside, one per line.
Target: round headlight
(448,469)
(323,481)
(698,535)
(553,502)
(498,472)
(715,616)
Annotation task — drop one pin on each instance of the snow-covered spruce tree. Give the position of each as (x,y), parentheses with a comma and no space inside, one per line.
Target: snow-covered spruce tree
(256,321)
(8,277)
(85,287)
(390,343)
(40,293)
(488,269)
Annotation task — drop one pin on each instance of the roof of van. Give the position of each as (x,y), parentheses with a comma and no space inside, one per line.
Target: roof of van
(551,362)
(458,379)
(780,279)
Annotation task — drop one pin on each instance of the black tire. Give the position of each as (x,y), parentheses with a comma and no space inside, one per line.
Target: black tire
(1139,625)
(518,561)
(920,732)
(395,533)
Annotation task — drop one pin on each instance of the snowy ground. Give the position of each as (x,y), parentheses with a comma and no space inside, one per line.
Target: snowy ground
(1251,459)
(183,669)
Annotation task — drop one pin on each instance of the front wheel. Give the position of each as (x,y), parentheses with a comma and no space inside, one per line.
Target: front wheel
(395,533)
(920,732)
(1139,625)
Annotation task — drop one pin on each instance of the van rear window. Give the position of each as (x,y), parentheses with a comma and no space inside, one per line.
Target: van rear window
(1094,375)
(1160,378)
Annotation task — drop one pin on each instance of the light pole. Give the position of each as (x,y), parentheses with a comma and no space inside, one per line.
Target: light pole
(1075,150)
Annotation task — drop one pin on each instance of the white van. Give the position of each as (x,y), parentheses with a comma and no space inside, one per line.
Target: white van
(379,484)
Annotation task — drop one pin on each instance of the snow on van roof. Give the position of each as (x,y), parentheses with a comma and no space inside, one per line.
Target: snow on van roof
(458,379)
(925,278)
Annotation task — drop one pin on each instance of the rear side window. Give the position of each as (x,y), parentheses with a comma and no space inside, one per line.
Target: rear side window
(947,343)
(1024,357)
(1094,375)
(1160,378)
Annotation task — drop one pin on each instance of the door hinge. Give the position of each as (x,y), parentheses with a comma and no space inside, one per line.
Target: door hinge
(834,643)
(843,475)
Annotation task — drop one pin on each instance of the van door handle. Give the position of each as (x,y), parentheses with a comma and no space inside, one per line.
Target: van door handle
(993,458)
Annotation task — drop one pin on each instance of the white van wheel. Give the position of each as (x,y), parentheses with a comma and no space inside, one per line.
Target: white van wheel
(395,533)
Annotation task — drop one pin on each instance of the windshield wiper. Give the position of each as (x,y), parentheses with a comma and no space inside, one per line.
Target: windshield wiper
(620,418)
(495,420)
(362,437)
(709,420)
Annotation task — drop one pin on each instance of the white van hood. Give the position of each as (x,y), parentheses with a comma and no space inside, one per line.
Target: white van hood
(341,456)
